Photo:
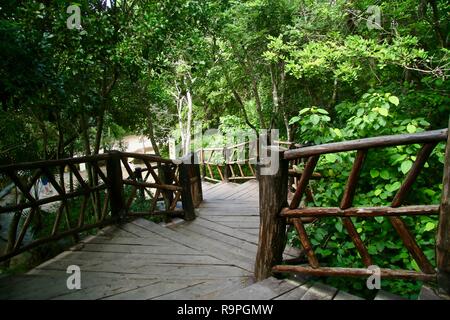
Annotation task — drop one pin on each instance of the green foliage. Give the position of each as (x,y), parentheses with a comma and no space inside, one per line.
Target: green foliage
(313,123)
(374,114)
(309,68)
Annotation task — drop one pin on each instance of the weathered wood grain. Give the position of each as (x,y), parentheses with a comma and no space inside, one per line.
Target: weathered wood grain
(272,229)
(375,142)
(267,289)
(443,234)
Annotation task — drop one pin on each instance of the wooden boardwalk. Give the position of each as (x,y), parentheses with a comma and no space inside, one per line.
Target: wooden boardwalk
(211,257)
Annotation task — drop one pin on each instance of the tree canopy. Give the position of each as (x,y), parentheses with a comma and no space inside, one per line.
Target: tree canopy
(319,71)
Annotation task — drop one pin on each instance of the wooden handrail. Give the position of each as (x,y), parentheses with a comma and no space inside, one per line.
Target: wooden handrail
(104,192)
(53,163)
(143,156)
(275,210)
(374,142)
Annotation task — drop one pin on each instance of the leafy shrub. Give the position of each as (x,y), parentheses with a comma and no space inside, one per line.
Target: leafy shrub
(381,177)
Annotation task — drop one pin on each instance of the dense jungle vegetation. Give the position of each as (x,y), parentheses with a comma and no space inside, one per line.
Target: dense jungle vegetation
(319,71)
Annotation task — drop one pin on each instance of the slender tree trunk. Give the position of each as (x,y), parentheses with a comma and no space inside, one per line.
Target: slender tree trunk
(99,131)
(87,151)
(282,101)
(44,138)
(60,151)
(180,123)
(278,89)
(287,127)
(258,102)
(436,24)
(275,99)
(152,135)
(85,134)
(334,96)
(248,68)
(105,92)
(43,128)
(189,121)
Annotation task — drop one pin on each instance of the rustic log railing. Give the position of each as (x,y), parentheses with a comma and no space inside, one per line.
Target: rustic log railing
(276,212)
(230,163)
(237,162)
(102,195)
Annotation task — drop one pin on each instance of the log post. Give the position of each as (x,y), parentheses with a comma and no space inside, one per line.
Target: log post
(226,169)
(202,163)
(115,186)
(443,234)
(139,178)
(272,228)
(166,177)
(197,174)
(186,193)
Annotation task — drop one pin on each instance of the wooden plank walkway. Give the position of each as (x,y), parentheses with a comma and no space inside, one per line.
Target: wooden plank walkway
(211,257)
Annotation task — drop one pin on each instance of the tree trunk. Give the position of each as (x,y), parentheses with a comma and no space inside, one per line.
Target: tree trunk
(99,130)
(87,148)
(278,90)
(334,96)
(180,123)
(189,122)
(436,24)
(60,151)
(152,135)
(104,95)
(275,98)
(258,102)
(286,125)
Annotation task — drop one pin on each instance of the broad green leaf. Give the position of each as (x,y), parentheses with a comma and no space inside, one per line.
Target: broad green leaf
(304,111)
(406,166)
(415,266)
(380,245)
(383,111)
(379,219)
(372,249)
(294,120)
(360,112)
(374,173)
(394,100)
(411,128)
(322,111)
(429,226)
(338,132)
(315,119)
(378,192)
(325,252)
(424,123)
(385,174)
(396,185)
(339,226)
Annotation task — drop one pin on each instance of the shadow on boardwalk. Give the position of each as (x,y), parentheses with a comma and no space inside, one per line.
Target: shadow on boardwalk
(211,257)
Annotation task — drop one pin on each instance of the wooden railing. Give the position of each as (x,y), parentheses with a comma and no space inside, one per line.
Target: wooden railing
(237,162)
(230,163)
(276,212)
(85,200)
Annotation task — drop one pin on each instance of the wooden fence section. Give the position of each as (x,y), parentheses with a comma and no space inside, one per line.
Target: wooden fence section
(76,201)
(230,163)
(238,162)
(276,211)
